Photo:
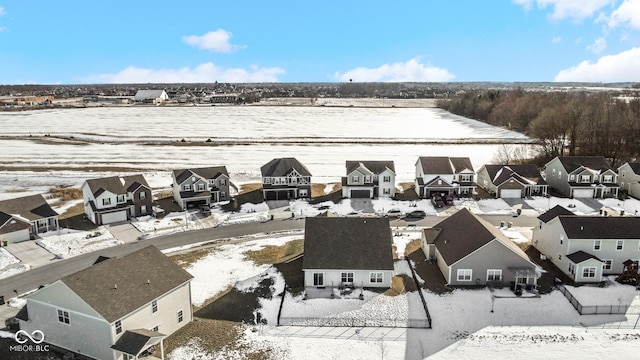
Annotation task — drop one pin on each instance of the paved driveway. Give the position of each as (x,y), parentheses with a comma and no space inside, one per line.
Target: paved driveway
(124,232)
(362,205)
(590,202)
(30,253)
(517,201)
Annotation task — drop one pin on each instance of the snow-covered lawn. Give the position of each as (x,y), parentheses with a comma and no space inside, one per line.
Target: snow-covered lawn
(17,269)
(7,259)
(542,204)
(630,206)
(520,235)
(613,294)
(65,243)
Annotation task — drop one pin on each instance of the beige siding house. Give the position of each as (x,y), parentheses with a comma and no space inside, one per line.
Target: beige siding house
(119,308)
(470,251)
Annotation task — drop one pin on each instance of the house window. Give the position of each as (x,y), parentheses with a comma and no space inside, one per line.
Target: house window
(559,256)
(267,180)
(118,327)
(464,274)
(607,178)
(106,201)
(367,179)
(553,171)
(143,195)
(223,182)
(121,199)
(386,178)
(318,279)
(187,187)
(596,244)
(354,179)
(559,173)
(494,275)
(200,187)
(572,177)
(585,179)
(63,316)
(346,277)
(386,191)
(572,268)
(624,173)
(607,264)
(303,192)
(223,194)
(154,306)
(180,317)
(619,245)
(376,277)
(155,328)
(589,272)
(561,239)
(143,209)
(465,178)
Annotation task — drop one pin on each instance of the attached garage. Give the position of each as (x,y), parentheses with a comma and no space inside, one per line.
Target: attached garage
(360,194)
(114,217)
(582,193)
(511,193)
(16,236)
(278,195)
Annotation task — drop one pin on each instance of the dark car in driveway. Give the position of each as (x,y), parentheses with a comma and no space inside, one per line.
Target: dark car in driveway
(448,200)
(437,201)
(416,214)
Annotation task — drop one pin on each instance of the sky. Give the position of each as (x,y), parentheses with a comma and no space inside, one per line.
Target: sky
(88,42)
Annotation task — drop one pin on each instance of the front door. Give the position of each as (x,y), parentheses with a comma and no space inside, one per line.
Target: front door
(318,279)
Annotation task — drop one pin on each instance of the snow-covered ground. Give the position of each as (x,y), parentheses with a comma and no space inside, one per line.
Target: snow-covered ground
(6,259)
(65,243)
(10,265)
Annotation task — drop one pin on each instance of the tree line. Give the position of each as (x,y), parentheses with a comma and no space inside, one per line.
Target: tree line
(563,123)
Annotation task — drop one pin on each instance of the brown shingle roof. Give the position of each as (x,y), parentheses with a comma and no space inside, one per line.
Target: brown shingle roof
(283,166)
(375,167)
(600,227)
(347,243)
(208,173)
(116,184)
(32,207)
(444,165)
(118,286)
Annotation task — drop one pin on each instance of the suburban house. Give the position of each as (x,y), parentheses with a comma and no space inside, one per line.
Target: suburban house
(118,308)
(33,210)
(470,251)
(14,228)
(200,186)
(629,178)
(116,198)
(444,176)
(285,178)
(586,248)
(369,179)
(512,181)
(151,96)
(582,176)
(347,252)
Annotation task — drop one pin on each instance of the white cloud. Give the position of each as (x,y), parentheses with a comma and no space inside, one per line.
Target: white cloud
(556,40)
(567,9)
(409,71)
(217,41)
(206,72)
(3,29)
(1,11)
(622,67)
(627,13)
(598,45)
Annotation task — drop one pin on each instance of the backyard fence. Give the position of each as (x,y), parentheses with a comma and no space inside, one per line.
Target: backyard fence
(592,309)
(354,322)
(424,302)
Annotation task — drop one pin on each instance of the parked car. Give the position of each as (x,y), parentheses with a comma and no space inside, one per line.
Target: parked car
(394,213)
(437,201)
(416,214)
(448,200)
(205,210)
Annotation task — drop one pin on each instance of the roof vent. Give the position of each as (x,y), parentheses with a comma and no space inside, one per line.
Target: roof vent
(148,281)
(581,228)
(115,286)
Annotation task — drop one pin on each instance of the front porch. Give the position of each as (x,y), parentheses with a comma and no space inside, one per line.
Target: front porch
(140,344)
(536,190)
(44,225)
(606,191)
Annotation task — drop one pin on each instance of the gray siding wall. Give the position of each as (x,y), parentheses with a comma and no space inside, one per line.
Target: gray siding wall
(484,181)
(442,265)
(547,241)
(560,183)
(608,251)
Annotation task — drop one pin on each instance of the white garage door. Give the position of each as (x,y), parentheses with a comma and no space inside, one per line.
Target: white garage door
(16,236)
(114,217)
(510,193)
(583,193)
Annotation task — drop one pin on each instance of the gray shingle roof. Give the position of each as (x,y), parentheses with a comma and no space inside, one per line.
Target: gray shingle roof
(283,166)
(375,167)
(118,286)
(553,213)
(635,166)
(571,163)
(206,172)
(33,207)
(347,243)
(116,184)
(600,227)
(133,341)
(148,94)
(501,173)
(580,256)
(444,165)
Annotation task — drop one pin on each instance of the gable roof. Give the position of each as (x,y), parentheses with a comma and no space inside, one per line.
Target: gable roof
(10,223)
(635,166)
(116,184)
(283,166)
(33,207)
(553,213)
(347,243)
(601,227)
(116,287)
(132,342)
(526,174)
(580,256)
(375,166)
(444,165)
(211,172)
(4,217)
(463,233)
(571,163)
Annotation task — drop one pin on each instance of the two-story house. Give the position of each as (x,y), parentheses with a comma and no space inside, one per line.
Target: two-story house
(629,178)
(444,176)
(369,179)
(285,178)
(582,176)
(587,247)
(512,181)
(199,186)
(33,210)
(116,309)
(116,198)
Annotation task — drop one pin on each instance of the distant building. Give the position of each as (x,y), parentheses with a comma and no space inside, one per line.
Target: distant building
(151,96)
